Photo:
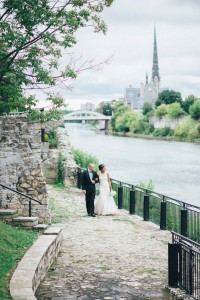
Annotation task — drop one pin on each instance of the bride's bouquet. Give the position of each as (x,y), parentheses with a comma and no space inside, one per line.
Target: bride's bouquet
(113,193)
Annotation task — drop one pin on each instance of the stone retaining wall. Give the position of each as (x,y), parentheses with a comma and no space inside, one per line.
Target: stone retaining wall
(33,267)
(166,122)
(70,168)
(20,165)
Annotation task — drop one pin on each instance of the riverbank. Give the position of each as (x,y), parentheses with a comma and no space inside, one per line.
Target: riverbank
(152,137)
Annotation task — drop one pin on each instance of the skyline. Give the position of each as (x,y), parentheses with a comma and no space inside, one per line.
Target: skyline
(129,41)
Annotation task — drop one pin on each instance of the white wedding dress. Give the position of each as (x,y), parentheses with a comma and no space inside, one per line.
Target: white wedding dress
(104,203)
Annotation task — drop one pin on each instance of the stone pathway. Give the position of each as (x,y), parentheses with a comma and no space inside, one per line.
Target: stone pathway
(111,257)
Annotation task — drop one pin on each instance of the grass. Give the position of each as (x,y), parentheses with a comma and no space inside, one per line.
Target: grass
(14,242)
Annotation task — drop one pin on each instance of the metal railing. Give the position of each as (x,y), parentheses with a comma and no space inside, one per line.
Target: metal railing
(184,265)
(24,195)
(167,212)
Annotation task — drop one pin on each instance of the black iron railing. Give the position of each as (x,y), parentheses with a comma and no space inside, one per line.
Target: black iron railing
(24,195)
(184,265)
(165,211)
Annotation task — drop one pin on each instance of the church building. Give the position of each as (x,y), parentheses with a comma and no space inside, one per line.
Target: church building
(148,91)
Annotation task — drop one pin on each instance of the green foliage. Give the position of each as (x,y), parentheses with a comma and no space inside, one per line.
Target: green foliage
(107,109)
(61,159)
(147,108)
(141,125)
(163,131)
(35,37)
(161,111)
(168,97)
(188,102)
(175,110)
(52,139)
(188,129)
(83,159)
(149,185)
(124,120)
(14,242)
(195,110)
(119,110)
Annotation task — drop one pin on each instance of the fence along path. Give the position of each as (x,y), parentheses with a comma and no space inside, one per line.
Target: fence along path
(107,257)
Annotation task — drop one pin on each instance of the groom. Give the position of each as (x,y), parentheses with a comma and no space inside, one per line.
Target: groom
(89,179)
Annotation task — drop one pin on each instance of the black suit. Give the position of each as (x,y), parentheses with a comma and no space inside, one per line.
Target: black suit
(90,190)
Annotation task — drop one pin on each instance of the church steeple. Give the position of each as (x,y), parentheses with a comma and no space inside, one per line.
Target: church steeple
(155,69)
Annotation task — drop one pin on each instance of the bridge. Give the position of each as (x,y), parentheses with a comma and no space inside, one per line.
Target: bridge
(84,115)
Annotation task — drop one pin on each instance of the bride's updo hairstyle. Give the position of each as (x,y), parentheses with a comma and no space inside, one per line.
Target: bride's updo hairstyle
(101,166)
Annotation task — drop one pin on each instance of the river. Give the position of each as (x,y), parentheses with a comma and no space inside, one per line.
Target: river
(174,167)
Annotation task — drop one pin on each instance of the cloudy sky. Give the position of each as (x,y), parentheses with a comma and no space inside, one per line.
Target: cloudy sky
(129,41)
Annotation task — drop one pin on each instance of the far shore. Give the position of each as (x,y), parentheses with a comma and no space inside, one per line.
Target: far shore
(151,137)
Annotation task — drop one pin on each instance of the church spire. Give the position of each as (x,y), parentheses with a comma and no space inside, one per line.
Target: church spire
(155,69)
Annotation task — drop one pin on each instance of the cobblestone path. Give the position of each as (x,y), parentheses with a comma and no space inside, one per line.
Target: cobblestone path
(111,257)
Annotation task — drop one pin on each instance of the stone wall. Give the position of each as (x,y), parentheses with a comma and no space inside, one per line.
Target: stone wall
(166,122)
(20,165)
(70,168)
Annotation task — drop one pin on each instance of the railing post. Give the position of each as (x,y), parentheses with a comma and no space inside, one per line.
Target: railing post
(146,208)
(79,182)
(191,273)
(132,202)
(173,271)
(29,208)
(184,221)
(163,215)
(120,196)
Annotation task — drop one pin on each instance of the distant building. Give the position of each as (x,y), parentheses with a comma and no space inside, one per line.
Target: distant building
(132,96)
(88,106)
(148,91)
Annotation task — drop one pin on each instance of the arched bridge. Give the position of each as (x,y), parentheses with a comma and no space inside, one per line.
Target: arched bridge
(84,115)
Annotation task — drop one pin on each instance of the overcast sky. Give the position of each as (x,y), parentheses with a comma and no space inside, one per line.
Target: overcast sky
(130,40)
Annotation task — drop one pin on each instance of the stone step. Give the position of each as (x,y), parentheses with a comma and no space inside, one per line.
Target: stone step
(26,222)
(41,227)
(8,214)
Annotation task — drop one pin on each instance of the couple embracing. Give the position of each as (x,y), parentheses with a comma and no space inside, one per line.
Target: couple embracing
(104,203)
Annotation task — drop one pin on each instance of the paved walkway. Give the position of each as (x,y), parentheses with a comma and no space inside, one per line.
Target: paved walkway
(112,257)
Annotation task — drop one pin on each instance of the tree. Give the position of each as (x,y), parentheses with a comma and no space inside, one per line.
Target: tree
(107,109)
(175,110)
(161,110)
(168,97)
(195,110)
(35,36)
(147,108)
(124,120)
(119,109)
(188,102)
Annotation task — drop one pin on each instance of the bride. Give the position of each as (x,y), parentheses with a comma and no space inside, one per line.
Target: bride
(104,204)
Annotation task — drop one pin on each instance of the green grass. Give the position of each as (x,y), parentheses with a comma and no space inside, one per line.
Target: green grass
(14,242)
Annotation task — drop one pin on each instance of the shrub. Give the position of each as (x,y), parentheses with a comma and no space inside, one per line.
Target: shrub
(175,110)
(83,159)
(161,111)
(195,110)
(185,128)
(163,131)
(52,139)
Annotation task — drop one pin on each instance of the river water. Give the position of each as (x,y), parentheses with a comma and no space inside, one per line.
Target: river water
(174,167)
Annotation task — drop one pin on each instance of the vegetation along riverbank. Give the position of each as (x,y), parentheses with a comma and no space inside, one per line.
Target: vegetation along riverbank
(171,119)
